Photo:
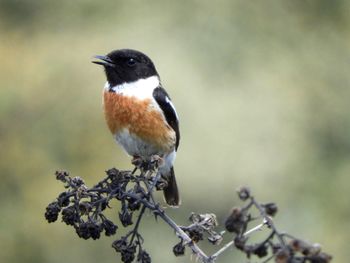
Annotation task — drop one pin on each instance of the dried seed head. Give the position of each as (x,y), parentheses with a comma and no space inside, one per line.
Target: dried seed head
(282,256)
(120,244)
(85,207)
(128,254)
(236,221)
(62,176)
(88,230)
(82,230)
(243,193)
(112,173)
(70,215)
(321,258)
(144,257)
(270,209)
(179,249)
(261,250)
(52,211)
(94,230)
(63,199)
(297,245)
(125,218)
(77,181)
(109,227)
(196,234)
(240,242)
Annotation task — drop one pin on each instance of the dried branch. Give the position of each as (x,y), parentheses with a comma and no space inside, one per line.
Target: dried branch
(83,209)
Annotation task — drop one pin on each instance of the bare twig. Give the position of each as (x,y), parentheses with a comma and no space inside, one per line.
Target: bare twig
(230,244)
(83,208)
(268,220)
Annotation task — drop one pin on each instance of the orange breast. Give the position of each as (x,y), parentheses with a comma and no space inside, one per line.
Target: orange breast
(139,118)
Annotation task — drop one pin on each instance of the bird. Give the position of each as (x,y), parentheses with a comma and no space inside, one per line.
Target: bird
(140,114)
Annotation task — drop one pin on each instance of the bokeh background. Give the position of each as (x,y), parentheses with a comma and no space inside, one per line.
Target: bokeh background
(261,88)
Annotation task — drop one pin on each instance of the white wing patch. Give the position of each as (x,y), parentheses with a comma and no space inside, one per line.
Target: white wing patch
(172,106)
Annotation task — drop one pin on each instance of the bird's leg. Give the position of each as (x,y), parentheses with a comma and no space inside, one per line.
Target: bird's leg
(157,160)
(137,161)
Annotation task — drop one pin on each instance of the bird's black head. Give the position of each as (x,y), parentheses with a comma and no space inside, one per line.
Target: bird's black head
(126,65)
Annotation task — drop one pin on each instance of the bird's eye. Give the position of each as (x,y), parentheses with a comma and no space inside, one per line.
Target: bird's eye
(131,62)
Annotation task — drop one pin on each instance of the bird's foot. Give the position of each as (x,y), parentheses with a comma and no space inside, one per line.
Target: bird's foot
(137,161)
(151,164)
(157,160)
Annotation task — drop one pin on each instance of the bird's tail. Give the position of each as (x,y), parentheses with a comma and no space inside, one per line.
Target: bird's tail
(171,192)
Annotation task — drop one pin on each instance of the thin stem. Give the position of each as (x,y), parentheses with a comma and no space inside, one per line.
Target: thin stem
(269,221)
(229,244)
(143,209)
(137,223)
(269,258)
(180,233)
(256,228)
(186,239)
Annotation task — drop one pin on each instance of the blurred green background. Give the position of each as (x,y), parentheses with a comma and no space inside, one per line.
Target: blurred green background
(261,88)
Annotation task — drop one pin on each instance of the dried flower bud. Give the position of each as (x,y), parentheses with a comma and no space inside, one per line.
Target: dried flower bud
(270,209)
(282,256)
(260,250)
(89,229)
(82,230)
(315,249)
(195,218)
(244,193)
(321,258)
(62,176)
(196,234)
(179,249)
(128,254)
(125,218)
(103,204)
(236,221)
(69,215)
(63,199)
(113,173)
(276,247)
(52,211)
(240,242)
(94,230)
(109,227)
(297,245)
(133,203)
(77,181)
(120,244)
(85,208)
(143,257)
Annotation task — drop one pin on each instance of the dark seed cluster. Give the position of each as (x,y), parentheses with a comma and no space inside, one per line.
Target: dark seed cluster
(201,225)
(83,208)
(280,247)
(179,249)
(52,211)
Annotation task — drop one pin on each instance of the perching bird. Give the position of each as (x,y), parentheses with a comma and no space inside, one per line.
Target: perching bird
(139,112)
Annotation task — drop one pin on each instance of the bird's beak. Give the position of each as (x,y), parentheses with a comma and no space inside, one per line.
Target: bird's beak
(104,61)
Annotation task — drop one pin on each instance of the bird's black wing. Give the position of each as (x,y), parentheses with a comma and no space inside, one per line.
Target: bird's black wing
(164,102)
